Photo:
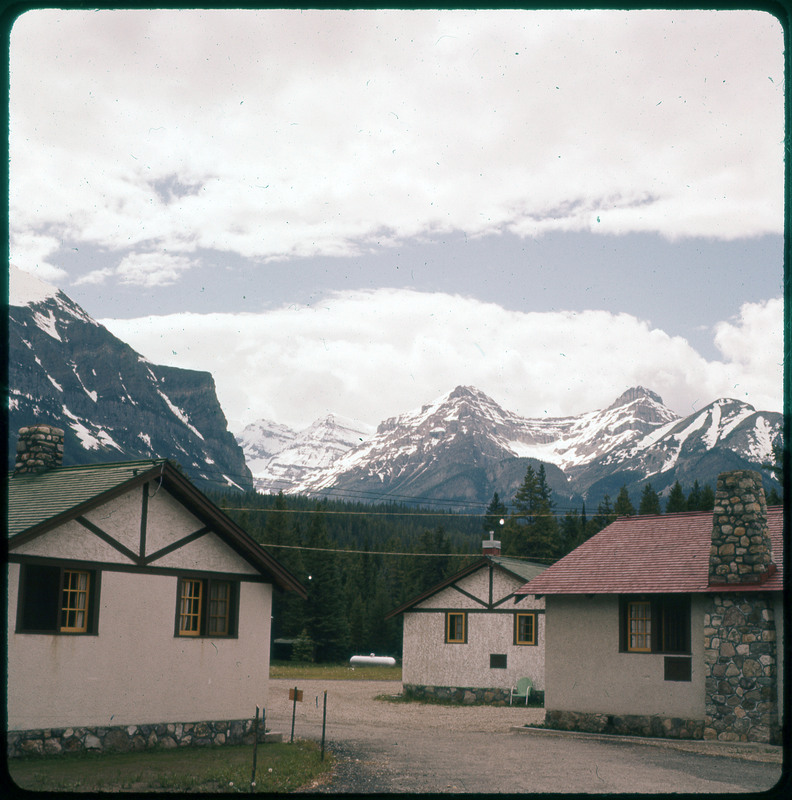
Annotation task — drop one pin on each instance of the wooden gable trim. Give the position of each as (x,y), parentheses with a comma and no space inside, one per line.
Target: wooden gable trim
(143,520)
(105,537)
(471,596)
(180,487)
(185,540)
(83,508)
(113,566)
(437,588)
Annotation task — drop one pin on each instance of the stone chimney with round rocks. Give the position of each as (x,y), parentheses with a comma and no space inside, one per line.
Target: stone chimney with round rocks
(39,448)
(740,636)
(740,551)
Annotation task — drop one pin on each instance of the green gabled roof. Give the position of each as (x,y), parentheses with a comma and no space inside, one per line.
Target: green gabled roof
(520,567)
(34,499)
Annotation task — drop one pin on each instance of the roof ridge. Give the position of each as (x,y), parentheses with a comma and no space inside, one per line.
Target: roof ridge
(90,467)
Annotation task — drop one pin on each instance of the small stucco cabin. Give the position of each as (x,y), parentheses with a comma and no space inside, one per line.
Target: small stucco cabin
(671,625)
(138,613)
(470,638)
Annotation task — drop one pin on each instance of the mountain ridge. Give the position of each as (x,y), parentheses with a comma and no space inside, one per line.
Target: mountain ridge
(464,446)
(67,370)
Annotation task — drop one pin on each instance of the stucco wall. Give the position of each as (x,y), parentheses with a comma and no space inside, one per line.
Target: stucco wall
(587,673)
(428,660)
(136,671)
(167,521)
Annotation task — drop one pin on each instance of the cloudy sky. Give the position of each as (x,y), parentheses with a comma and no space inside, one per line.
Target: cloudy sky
(355,211)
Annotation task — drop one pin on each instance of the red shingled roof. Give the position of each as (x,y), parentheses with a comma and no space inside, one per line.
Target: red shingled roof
(649,554)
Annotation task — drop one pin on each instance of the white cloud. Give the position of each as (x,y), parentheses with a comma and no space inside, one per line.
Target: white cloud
(296,133)
(33,253)
(142,269)
(373,354)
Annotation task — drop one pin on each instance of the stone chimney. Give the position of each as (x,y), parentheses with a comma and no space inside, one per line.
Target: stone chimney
(39,448)
(741,552)
(491,546)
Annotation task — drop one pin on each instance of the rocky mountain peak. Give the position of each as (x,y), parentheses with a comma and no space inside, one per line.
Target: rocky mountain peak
(636,393)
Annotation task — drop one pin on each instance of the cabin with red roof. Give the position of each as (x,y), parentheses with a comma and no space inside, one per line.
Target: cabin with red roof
(671,625)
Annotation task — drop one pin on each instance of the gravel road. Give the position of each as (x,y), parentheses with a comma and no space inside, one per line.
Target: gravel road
(383,747)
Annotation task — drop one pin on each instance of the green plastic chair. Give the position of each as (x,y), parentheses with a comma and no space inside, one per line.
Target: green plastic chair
(523,688)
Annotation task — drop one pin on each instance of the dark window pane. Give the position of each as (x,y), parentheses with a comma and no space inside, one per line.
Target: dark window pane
(40,598)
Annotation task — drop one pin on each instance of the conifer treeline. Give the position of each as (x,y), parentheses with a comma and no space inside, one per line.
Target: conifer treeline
(359,561)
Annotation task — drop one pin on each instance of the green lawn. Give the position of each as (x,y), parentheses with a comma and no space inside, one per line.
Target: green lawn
(333,672)
(280,768)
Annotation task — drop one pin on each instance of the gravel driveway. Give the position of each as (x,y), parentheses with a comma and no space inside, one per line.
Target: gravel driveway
(383,747)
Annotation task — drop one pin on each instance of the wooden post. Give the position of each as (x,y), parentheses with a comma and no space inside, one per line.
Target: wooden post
(294,714)
(255,752)
(324,721)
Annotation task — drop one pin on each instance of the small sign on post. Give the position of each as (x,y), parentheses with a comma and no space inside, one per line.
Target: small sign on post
(295,694)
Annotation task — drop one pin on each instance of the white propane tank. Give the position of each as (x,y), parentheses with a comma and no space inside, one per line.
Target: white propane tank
(372,661)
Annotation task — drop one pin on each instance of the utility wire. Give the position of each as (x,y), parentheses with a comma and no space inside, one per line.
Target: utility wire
(391,553)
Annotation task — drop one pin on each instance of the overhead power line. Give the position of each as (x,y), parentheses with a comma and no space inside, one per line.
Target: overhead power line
(393,553)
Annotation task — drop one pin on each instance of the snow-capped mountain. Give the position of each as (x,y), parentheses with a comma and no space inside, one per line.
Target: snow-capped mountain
(463,447)
(726,434)
(281,458)
(67,370)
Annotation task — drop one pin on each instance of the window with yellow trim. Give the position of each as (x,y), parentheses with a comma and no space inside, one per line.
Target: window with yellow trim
(190,603)
(456,627)
(57,599)
(654,624)
(639,632)
(525,628)
(74,601)
(206,607)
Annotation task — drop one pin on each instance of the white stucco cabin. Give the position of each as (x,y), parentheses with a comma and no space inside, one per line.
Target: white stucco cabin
(138,613)
(470,637)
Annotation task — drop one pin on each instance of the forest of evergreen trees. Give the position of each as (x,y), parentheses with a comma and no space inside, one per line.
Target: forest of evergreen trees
(360,561)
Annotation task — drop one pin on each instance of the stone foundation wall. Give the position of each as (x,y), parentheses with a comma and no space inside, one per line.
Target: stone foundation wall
(122,739)
(626,724)
(464,695)
(741,697)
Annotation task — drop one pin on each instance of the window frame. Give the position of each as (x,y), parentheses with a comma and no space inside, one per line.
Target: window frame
(532,641)
(53,606)
(204,616)
(670,624)
(644,634)
(448,617)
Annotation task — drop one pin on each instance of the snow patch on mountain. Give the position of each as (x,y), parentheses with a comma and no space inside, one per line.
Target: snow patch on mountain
(25,288)
(280,457)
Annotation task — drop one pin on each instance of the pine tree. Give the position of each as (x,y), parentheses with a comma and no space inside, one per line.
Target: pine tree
(707,498)
(326,615)
(694,498)
(496,511)
(676,500)
(604,516)
(572,531)
(650,501)
(623,507)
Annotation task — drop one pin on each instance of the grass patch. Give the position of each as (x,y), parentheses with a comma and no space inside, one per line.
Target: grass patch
(279,768)
(333,672)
